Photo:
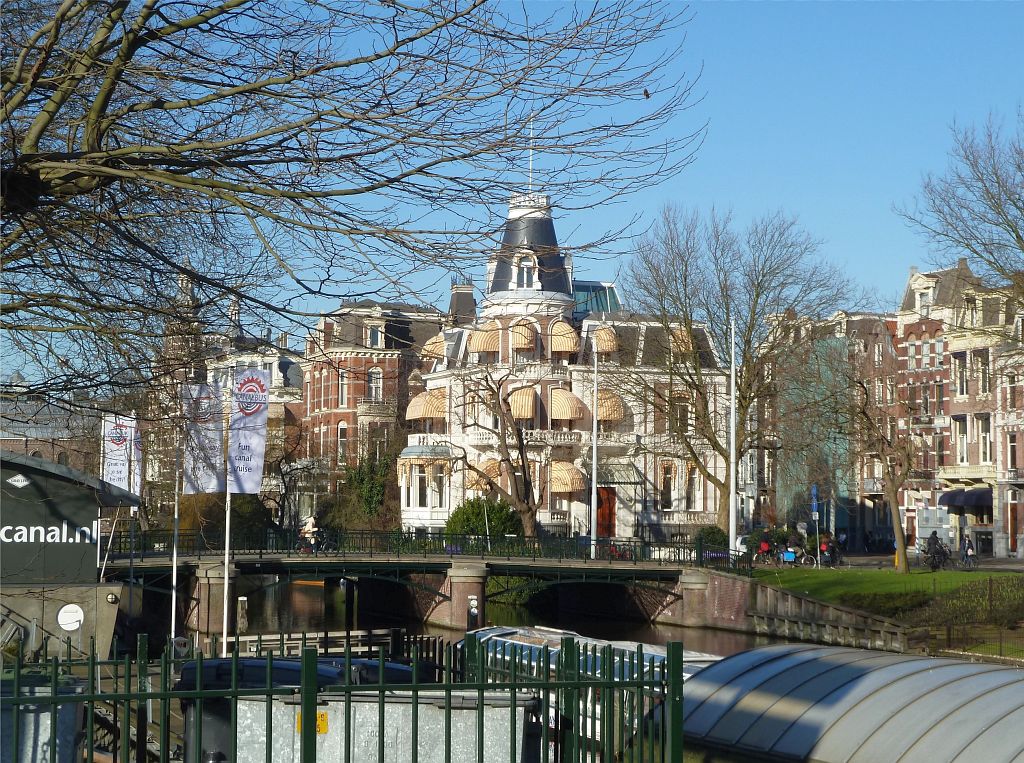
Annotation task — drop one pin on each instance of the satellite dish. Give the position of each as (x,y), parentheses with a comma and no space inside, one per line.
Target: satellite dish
(70,617)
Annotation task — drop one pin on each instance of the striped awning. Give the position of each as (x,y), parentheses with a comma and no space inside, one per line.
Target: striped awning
(524,336)
(486,338)
(434,347)
(605,339)
(415,409)
(565,405)
(522,403)
(564,338)
(566,478)
(681,340)
(489,466)
(610,406)
(436,404)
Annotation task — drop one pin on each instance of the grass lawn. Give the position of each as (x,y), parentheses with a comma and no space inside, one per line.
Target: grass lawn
(828,585)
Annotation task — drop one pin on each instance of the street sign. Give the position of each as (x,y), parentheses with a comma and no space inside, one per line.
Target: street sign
(814,516)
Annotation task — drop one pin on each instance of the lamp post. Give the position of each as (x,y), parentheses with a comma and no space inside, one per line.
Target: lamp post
(732,434)
(593,461)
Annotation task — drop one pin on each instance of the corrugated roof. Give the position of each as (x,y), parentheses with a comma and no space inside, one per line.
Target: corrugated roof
(839,705)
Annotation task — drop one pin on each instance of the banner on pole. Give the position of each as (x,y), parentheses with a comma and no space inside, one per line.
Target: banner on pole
(204,439)
(119,450)
(247,430)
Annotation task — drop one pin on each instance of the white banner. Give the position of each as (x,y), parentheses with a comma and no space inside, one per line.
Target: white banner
(118,449)
(137,463)
(247,430)
(204,439)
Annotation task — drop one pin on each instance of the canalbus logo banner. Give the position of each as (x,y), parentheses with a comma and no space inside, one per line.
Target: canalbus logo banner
(204,439)
(247,430)
(119,450)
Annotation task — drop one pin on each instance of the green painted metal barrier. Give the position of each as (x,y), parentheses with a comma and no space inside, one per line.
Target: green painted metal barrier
(488,701)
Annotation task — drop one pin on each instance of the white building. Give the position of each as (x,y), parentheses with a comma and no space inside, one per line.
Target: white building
(509,399)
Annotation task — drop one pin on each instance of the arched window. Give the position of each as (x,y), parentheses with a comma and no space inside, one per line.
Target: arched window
(342,443)
(375,385)
(62,458)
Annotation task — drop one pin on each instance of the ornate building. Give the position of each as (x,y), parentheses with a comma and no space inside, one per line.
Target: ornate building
(509,403)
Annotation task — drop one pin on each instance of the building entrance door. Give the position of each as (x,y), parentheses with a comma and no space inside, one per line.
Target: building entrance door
(606,512)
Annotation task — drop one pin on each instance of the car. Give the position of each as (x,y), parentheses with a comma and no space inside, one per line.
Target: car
(741,543)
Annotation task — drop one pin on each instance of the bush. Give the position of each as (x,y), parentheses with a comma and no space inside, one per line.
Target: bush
(468,519)
(713,535)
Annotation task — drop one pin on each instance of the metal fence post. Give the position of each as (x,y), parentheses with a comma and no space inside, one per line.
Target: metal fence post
(699,550)
(674,702)
(307,707)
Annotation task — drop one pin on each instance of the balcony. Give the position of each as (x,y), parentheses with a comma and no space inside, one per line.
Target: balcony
(427,440)
(1013,475)
(611,439)
(871,485)
(975,472)
(385,409)
(553,437)
(480,439)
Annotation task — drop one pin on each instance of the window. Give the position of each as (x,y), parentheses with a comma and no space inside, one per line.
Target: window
(1011,391)
(439,486)
(342,389)
(419,484)
(375,385)
(324,390)
(1011,450)
(342,443)
(878,354)
(680,417)
(937,348)
(926,354)
(983,371)
(525,273)
(960,427)
(924,302)
(984,424)
(926,403)
(890,389)
(960,369)
(940,451)
(879,398)
(940,389)
(911,355)
(970,311)
(375,337)
(667,473)
(309,395)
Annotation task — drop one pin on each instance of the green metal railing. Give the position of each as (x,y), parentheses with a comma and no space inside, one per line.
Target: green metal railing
(481,701)
(158,544)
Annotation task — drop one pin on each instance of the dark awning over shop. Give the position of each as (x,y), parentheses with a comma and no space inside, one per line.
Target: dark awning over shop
(977,499)
(952,498)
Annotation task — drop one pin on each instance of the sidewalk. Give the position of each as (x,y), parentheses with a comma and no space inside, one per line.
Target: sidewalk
(885,561)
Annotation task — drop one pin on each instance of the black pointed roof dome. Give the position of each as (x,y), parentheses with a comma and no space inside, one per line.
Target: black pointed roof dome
(529,230)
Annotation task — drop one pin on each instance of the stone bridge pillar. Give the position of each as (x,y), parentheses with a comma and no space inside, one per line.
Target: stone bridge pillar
(206,605)
(464,580)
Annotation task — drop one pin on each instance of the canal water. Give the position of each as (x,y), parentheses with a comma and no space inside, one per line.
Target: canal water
(298,607)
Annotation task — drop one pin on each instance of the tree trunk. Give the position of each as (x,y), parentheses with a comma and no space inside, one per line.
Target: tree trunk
(529,519)
(892,497)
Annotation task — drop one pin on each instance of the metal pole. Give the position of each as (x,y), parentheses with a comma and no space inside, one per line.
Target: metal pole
(593,461)
(174,540)
(732,434)
(227,529)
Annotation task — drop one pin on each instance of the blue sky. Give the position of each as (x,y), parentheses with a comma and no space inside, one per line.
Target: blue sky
(832,112)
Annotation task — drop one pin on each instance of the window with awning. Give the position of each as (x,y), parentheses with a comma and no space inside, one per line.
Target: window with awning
(566,405)
(486,338)
(490,467)
(604,338)
(564,338)
(434,347)
(524,336)
(432,404)
(415,409)
(610,406)
(522,403)
(566,478)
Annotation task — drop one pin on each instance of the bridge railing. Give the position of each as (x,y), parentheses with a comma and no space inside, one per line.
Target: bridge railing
(341,544)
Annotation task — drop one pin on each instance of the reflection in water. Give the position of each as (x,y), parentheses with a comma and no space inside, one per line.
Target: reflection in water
(293,608)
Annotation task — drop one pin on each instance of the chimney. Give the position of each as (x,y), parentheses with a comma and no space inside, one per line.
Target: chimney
(282,340)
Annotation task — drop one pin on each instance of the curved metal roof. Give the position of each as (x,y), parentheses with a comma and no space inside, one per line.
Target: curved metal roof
(839,705)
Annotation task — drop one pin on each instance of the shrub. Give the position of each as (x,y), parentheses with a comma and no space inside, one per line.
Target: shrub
(895,605)
(468,519)
(713,535)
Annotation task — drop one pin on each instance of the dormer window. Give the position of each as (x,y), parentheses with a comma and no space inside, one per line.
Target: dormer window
(375,336)
(924,302)
(525,273)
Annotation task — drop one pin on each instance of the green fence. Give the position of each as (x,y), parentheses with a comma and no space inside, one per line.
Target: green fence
(472,702)
(158,544)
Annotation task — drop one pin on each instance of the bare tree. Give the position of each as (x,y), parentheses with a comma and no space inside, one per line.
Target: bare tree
(276,151)
(976,209)
(697,274)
